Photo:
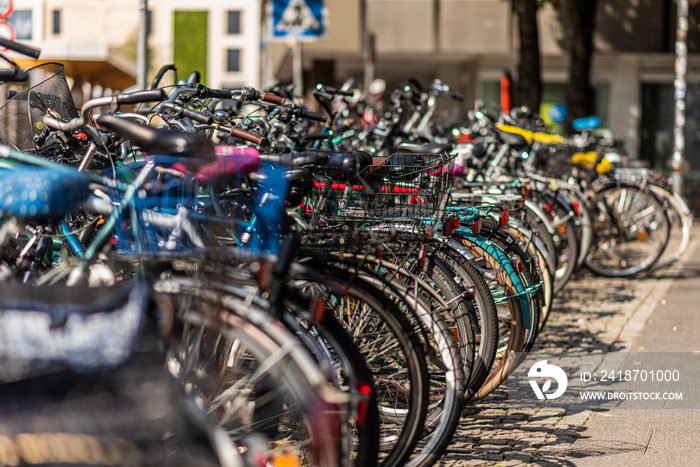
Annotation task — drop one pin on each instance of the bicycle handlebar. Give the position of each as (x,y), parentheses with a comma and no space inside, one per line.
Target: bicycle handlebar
(23,49)
(195,115)
(14,75)
(139,97)
(303,113)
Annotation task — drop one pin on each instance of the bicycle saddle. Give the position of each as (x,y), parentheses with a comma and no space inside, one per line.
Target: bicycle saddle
(424,148)
(192,149)
(516,140)
(345,165)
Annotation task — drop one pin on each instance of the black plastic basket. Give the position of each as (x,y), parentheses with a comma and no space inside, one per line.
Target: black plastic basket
(24,104)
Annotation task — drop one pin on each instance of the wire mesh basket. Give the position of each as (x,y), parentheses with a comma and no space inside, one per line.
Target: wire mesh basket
(24,104)
(403,188)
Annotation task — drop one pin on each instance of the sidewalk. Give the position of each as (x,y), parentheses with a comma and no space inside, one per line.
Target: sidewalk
(594,315)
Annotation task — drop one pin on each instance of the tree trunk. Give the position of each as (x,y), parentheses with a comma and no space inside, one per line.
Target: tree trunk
(529,85)
(580,17)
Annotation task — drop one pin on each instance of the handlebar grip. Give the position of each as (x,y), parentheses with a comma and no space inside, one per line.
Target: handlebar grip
(313,115)
(272,98)
(323,95)
(218,93)
(456,96)
(248,136)
(29,51)
(197,116)
(140,96)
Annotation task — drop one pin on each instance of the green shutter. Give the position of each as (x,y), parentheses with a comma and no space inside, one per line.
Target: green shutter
(190,43)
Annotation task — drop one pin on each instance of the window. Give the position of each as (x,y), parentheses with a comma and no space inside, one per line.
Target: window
(234,22)
(233,60)
(57,21)
(22,23)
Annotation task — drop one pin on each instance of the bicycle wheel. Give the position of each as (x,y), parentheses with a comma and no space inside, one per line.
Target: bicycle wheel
(392,350)
(538,259)
(251,376)
(681,219)
(342,362)
(512,331)
(423,303)
(486,326)
(631,227)
(528,275)
(566,235)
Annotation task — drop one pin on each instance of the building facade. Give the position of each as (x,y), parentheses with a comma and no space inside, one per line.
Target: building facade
(469,43)
(466,43)
(97,39)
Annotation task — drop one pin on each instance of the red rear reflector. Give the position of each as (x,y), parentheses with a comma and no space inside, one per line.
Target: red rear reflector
(504,217)
(450,225)
(365,390)
(548,208)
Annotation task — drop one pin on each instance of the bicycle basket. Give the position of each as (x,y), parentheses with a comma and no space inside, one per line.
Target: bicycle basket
(403,188)
(24,104)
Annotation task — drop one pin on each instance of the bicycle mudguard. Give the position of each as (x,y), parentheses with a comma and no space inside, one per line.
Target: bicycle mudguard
(501,258)
(41,193)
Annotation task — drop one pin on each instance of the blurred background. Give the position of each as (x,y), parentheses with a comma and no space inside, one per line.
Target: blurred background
(471,45)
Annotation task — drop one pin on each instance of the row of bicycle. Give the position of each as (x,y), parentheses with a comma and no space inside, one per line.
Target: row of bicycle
(320,295)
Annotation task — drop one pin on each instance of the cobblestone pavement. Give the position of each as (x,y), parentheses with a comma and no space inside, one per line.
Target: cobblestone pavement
(592,315)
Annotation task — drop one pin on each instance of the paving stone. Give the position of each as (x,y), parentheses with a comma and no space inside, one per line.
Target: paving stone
(490,457)
(591,317)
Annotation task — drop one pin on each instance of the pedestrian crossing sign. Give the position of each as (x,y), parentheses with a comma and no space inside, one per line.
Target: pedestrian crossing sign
(298,19)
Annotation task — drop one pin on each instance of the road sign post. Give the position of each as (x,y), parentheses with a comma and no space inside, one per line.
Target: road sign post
(298,21)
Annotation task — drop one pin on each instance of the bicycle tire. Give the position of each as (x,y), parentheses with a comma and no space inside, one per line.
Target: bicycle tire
(444,366)
(239,335)
(393,323)
(627,213)
(487,322)
(511,331)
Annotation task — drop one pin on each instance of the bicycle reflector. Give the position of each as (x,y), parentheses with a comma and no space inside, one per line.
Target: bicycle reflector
(365,390)
(450,225)
(504,217)
(548,209)
(576,209)
(476,225)
(518,265)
